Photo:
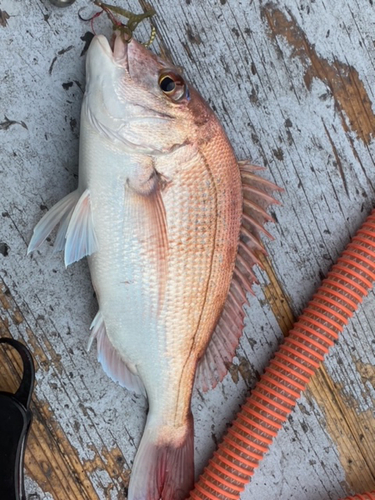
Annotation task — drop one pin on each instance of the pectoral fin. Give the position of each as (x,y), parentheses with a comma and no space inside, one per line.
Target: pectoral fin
(147,211)
(213,366)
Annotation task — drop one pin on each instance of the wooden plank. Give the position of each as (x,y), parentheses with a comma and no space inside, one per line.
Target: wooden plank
(350,427)
(50,458)
(293,87)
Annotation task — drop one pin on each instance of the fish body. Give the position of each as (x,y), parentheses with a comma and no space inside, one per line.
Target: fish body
(158,211)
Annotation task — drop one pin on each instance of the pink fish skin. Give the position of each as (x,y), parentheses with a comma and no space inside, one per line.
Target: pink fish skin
(170,220)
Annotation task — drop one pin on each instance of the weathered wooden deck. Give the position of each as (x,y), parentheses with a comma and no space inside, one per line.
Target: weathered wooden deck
(293,84)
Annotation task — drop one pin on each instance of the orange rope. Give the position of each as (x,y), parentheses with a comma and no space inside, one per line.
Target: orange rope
(275,395)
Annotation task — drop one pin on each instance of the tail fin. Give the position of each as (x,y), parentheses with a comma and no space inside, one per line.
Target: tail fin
(164,465)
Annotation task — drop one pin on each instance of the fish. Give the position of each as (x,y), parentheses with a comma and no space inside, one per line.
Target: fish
(171,224)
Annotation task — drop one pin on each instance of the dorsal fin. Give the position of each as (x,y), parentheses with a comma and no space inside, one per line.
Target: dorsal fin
(213,365)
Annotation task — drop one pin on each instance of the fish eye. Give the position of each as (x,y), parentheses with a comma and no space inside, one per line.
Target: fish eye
(173,86)
(167,85)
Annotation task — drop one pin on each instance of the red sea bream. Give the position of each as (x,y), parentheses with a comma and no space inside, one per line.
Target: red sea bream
(170,221)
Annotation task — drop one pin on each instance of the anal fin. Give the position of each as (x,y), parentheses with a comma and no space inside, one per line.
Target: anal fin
(213,366)
(113,364)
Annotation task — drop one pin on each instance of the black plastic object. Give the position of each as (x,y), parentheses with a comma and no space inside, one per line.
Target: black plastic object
(15,421)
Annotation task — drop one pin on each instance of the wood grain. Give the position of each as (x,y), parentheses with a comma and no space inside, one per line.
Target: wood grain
(293,84)
(50,458)
(351,431)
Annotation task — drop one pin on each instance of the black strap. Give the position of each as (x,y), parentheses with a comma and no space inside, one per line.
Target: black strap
(15,421)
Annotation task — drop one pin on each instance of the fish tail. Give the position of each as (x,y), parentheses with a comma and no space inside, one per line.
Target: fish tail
(164,465)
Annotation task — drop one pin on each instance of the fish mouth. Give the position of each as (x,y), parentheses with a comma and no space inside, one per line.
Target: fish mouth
(116,48)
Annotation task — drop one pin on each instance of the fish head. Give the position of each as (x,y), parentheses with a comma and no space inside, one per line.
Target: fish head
(137,100)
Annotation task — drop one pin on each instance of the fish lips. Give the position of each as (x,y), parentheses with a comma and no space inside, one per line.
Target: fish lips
(121,50)
(118,53)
